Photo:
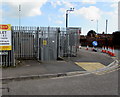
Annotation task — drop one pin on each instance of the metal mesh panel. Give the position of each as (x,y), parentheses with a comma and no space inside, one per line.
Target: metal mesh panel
(48,43)
(24,42)
(69,39)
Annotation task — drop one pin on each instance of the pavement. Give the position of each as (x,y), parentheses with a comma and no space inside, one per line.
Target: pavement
(33,69)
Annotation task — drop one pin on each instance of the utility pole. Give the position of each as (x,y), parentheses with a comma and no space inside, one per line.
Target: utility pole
(106,25)
(19,15)
(66,19)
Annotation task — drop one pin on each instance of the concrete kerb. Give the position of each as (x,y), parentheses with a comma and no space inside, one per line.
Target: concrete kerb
(43,76)
(76,73)
(33,77)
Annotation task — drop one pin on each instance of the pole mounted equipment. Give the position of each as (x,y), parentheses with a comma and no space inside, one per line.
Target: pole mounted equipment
(71,9)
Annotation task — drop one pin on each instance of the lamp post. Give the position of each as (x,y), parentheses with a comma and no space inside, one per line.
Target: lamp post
(96,25)
(71,9)
(19,15)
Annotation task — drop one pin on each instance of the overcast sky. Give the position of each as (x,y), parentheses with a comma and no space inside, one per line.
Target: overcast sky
(52,13)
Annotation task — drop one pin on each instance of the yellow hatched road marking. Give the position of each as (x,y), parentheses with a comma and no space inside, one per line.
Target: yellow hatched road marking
(90,66)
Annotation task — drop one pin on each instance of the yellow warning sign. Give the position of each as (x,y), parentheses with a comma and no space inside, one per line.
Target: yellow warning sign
(6,27)
(44,42)
(5,37)
(5,47)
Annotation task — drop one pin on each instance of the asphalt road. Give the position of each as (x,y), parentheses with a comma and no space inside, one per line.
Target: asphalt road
(91,84)
(90,56)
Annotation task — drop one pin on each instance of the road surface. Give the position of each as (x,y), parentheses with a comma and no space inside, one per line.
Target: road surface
(106,84)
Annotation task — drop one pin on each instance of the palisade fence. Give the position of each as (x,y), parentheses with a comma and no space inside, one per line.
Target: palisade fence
(41,44)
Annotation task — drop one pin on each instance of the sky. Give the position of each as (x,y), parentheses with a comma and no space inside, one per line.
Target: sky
(87,14)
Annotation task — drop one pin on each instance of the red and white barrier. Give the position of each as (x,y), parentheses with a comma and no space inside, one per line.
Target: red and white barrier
(103,49)
(109,50)
(113,52)
(87,47)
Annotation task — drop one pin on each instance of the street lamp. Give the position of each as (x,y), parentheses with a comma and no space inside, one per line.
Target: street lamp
(19,15)
(96,26)
(71,9)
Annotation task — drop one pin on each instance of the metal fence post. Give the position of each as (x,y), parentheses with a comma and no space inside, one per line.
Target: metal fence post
(13,55)
(48,43)
(36,42)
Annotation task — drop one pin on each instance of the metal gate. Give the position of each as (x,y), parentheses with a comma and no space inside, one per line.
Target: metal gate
(35,43)
(68,41)
(47,43)
(25,42)
(41,44)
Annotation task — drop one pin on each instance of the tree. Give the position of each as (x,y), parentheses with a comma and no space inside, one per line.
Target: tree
(91,33)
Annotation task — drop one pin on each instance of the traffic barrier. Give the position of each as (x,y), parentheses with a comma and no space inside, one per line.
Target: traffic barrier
(113,52)
(109,50)
(105,50)
(87,47)
(102,48)
(110,53)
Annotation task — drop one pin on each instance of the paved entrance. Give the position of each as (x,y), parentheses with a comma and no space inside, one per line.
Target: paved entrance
(90,66)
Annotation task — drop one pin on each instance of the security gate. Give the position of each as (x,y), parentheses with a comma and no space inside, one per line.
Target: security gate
(24,42)
(47,43)
(68,41)
(35,43)
(41,44)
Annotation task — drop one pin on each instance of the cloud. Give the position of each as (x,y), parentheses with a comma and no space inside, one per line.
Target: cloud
(59,22)
(114,11)
(28,7)
(90,13)
(67,4)
(114,6)
(55,3)
(89,1)
(113,20)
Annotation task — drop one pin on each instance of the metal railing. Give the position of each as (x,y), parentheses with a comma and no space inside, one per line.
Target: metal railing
(41,44)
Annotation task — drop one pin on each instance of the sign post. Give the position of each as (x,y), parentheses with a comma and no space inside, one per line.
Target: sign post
(5,37)
(94,43)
